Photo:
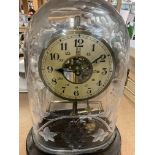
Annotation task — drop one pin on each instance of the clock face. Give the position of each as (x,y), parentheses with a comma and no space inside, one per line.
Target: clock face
(76,66)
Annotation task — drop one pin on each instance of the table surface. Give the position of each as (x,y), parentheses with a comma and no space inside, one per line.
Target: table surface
(125,123)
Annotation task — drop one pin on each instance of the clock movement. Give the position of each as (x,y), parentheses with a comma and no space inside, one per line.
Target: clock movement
(76,63)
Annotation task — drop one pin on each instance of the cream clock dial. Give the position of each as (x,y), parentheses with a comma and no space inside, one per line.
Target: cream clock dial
(76,66)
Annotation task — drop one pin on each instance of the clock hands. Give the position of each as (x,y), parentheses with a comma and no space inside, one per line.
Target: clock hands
(95,61)
(62,70)
(76,69)
(77,72)
(67,69)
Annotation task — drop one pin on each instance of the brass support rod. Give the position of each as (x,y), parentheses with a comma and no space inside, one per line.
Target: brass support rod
(75,111)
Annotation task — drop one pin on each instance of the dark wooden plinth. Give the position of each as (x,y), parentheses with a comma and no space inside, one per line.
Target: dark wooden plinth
(113,149)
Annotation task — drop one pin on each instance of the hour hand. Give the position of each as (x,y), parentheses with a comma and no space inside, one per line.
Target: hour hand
(62,70)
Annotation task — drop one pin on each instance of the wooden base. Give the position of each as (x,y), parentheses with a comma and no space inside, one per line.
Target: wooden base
(112,149)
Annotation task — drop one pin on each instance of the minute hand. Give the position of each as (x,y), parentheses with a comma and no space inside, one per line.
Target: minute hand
(95,61)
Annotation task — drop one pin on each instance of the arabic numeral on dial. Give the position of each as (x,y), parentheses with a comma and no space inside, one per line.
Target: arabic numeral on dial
(63,46)
(79,42)
(76,93)
(63,89)
(103,58)
(99,83)
(54,81)
(104,71)
(93,48)
(89,91)
(55,56)
(50,69)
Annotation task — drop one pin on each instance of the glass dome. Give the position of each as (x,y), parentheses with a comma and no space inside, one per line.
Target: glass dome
(63,126)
